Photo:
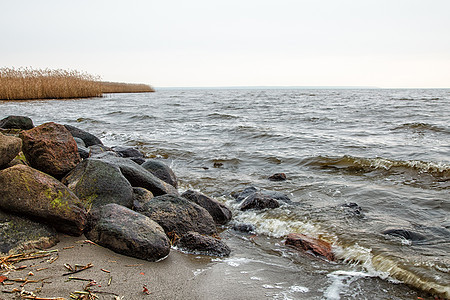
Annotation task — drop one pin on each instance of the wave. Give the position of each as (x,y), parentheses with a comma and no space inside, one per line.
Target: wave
(222,116)
(142,117)
(422,127)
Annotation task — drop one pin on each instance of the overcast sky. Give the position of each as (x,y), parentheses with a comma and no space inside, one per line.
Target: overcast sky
(384,43)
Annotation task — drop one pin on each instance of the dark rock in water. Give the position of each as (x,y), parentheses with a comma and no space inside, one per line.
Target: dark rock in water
(259,201)
(251,190)
(406,234)
(162,171)
(127,151)
(10,147)
(16,122)
(99,151)
(51,149)
(127,232)
(89,139)
(205,245)
(140,197)
(99,183)
(316,246)
(140,177)
(138,160)
(277,177)
(353,209)
(178,215)
(242,227)
(42,197)
(19,234)
(220,213)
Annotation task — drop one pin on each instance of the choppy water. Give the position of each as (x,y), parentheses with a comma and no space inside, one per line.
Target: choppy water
(388,151)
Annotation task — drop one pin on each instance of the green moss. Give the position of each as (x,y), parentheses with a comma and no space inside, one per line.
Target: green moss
(57,200)
(22,157)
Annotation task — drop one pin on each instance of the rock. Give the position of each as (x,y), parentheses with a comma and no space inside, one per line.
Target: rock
(140,177)
(242,227)
(220,213)
(352,209)
(162,171)
(259,201)
(10,147)
(99,183)
(127,151)
(16,122)
(19,234)
(277,177)
(279,196)
(29,192)
(178,215)
(99,151)
(82,150)
(89,139)
(127,232)
(406,234)
(51,149)
(196,243)
(140,197)
(316,246)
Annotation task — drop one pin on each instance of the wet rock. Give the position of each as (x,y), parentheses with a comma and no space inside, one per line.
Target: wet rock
(220,213)
(178,215)
(127,151)
(127,232)
(161,170)
(82,150)
(99,183)
(259,201)
(196,243)
(277,177)
(88,138)
(29,192)
(353,209)
(10,147)
(138,160)
(279,196)
(406,234)
(51,149)
(316,246)
(18,234)
(140,177)
(140,197)
(243,227)
(100,151)
(16,122)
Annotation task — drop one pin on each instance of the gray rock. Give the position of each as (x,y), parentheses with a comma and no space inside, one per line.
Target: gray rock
(99,183)
(127,151)
(220,213)
(162,171)
(140,197)
(178,216)
(127,232)
(279,196)
(259,201)
(16,122)
(196,243)
(99,151)
(89,139)
(10,147)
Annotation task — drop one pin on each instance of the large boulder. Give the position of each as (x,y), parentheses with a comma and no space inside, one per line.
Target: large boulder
(29,192)
(306,243)
(88,138)
(99,183)
(161,170)
(16,122)
(51,149)
(127,232)
(178,215)
(220,213)
(140,177)
(9,148)
(195,243)
(19,234)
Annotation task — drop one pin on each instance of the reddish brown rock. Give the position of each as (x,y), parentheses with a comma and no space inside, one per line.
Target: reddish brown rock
(316,246)
(50,148)
(9,148)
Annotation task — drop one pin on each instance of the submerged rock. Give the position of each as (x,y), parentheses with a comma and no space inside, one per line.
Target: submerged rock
(18,234)
(220,213)
(51,149)
(259,201)
(162,171)
(10,147)
(29,192)
(205,245)
(316,246)
(406,234)
(244,227)
(277,177)
(127,232)
(88,138)
(279,196)
(16,122)
(178,215)
(99,183)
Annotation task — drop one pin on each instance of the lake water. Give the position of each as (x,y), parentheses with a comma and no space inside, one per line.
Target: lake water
(387,151)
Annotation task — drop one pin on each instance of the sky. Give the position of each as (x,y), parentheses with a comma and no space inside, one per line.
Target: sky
(207,43)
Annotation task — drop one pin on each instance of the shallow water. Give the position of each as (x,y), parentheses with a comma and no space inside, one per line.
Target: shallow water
(388,151)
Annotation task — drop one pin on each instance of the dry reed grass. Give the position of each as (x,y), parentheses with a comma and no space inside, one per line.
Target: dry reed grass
(120,87)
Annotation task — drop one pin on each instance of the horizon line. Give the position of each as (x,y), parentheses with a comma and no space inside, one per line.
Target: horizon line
(289,87)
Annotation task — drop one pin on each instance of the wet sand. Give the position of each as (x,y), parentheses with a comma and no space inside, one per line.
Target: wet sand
(175,277)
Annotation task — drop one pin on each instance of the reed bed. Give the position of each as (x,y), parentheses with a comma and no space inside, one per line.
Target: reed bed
(120,87)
